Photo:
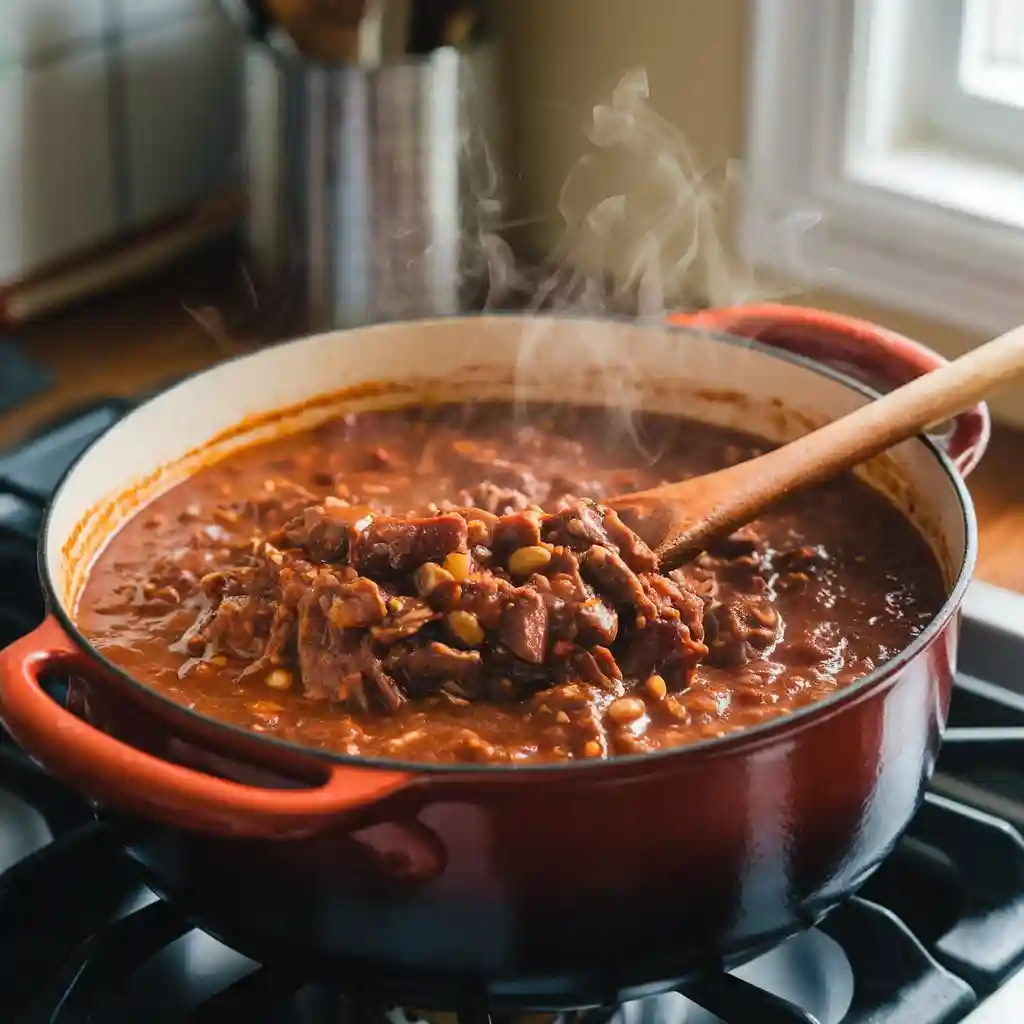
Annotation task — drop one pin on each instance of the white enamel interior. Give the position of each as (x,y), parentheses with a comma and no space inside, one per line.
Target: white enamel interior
(671,370)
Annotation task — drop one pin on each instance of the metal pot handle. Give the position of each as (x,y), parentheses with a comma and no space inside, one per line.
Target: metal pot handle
(873,355)
(128,779)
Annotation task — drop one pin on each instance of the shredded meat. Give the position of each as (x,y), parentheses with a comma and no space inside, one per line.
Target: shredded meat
(443,582)
(371,609)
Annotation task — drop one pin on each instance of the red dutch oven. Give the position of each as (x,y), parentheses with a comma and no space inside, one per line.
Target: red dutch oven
(618,878)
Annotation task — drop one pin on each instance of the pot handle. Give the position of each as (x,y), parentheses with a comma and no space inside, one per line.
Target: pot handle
(873,355)
(131,780)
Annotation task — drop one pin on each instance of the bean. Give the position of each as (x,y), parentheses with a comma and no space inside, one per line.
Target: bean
(466,627)
(700,703)
(656,687)
(279,679)
(528,560)
(626,710)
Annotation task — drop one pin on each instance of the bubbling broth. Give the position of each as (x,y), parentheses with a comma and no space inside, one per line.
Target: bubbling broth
(442,584)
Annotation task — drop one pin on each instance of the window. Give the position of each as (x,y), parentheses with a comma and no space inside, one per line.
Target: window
(896,129)
(990,57)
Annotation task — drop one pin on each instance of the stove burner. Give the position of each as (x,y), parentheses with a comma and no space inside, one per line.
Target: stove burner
(936,935)
(76,920)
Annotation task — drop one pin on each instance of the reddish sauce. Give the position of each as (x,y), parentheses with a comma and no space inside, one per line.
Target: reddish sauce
(285,591)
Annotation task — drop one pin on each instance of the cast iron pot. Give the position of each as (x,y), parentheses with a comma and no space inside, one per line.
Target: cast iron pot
(589,882)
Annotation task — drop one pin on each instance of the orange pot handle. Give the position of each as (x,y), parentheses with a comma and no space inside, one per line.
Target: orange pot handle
(131,780)
(874,355)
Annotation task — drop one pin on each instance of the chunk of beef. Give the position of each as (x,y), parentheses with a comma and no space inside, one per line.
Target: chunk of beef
(733,558)
(436,661)
(582,524)
(612,577)
(388,545)
(517,530)
(666,648)
(576,526)
(670,641)
(597,622)
(324,531)
(485,598)
(805,558)
(480,523)
(701,582)
(357,603)
(406,617)
(587,667)
(674,602)
(635,553)
(736,630)
(340,665)
(524,625)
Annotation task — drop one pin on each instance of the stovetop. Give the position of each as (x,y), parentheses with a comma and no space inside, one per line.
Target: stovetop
(936,936)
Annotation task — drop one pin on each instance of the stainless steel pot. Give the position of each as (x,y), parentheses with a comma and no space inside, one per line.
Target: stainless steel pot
(372,189)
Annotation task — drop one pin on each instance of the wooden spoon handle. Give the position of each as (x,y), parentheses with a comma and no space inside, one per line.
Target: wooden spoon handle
(910,409)
(715,504)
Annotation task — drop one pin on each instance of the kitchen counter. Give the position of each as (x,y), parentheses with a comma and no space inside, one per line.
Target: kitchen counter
(128,342)
(133,341)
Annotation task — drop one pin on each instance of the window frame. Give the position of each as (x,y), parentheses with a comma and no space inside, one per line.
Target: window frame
(866,205)
(999,87)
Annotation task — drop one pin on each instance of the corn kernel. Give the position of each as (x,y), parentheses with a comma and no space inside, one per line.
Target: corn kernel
(457,563)
(429,576)
(528,560)
(466,627)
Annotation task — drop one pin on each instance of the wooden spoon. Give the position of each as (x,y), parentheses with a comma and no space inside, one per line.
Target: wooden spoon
(691,514)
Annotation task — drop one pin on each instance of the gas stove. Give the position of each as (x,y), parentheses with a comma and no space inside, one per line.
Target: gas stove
(936,936)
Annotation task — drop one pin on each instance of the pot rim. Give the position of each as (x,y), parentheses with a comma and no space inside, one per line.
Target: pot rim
(745,738)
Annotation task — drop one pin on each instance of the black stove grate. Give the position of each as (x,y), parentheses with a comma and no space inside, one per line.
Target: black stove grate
(938,928)
(66,946)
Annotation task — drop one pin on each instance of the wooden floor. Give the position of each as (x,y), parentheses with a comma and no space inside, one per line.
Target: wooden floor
(133,341)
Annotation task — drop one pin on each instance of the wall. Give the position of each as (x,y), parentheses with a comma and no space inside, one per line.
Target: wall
(565,55)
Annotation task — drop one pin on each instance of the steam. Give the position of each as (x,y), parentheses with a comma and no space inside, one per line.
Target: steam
(643,230)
